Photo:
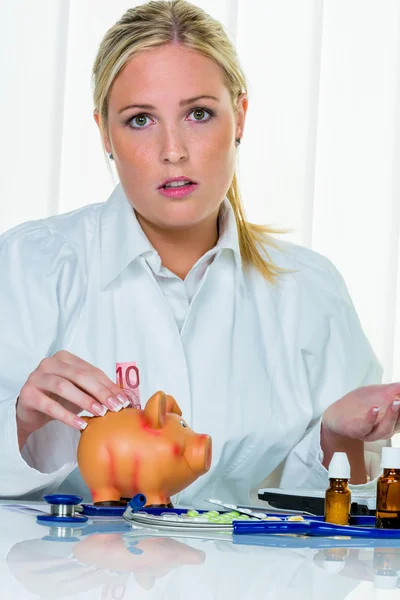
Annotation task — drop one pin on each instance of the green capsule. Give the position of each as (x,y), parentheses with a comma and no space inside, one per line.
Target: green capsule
(214,520)
(192,513)
(213,513)
(234,513)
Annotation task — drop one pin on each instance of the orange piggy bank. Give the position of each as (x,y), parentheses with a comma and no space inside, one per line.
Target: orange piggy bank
(151,451)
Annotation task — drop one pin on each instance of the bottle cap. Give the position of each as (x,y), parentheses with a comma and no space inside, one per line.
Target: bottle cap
(339,467)
(333,566)
(390,458)
(385,582)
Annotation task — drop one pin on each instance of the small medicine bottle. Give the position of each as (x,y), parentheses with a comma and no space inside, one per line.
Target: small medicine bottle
(388,490)
(386,566)
(338,495)
(334,559)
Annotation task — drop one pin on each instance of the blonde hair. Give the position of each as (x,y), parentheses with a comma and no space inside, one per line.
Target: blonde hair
(161,22)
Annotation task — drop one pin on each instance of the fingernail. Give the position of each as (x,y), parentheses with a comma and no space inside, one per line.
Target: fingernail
(80,423)
(124,400)
(376,409)
(115,405)
(396,405)
(99,410)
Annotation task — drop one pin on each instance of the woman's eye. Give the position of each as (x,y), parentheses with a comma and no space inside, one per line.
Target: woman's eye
(136,120)
(139,121)
(202,111)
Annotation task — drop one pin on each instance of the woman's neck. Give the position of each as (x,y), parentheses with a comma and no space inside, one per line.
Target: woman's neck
(180,249)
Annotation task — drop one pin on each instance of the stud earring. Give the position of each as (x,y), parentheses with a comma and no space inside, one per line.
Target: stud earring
(238,141)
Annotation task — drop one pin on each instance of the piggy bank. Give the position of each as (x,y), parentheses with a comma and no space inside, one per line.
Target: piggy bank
(151,451)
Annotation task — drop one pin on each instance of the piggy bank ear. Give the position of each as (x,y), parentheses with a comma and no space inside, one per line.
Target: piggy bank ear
(155,410)
(172,405)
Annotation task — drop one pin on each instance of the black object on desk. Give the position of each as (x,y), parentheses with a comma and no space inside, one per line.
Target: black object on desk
(303,502)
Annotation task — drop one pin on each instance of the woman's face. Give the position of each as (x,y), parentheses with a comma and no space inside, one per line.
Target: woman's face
(173,138)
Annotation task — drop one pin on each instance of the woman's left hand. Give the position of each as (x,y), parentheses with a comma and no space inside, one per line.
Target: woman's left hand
(369,413)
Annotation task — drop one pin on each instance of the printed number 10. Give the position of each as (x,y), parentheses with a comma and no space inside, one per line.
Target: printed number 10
(126,381)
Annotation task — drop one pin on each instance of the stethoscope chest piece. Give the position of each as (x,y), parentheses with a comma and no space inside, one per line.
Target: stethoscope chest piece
(63,508)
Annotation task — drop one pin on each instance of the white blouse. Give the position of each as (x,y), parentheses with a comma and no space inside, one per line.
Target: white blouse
(251,363)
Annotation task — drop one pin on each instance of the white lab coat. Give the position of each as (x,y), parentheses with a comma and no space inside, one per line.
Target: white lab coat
(255,364)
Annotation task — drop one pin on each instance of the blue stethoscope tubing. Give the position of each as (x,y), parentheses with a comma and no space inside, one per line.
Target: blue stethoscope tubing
(312,528)
(317,542)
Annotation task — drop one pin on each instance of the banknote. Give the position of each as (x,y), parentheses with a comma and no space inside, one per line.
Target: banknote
(127,378)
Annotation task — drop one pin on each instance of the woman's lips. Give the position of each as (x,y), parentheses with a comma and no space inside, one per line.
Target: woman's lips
(178,192)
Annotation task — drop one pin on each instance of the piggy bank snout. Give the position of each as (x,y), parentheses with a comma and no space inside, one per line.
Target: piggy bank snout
(198,453)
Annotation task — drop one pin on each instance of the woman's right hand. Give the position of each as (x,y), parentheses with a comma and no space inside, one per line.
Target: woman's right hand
(62,386)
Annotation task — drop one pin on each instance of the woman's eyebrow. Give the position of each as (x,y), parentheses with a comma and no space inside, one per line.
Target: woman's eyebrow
(181,103)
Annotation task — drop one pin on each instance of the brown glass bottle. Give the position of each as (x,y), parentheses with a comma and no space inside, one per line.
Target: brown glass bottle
(387,559)
(386,565)
(334,559)
(388,499)
(338,502)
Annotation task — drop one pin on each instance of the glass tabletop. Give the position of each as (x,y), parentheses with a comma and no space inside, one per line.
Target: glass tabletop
(105,559)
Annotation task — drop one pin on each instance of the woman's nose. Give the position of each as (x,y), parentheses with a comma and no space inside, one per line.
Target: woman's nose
(173,149)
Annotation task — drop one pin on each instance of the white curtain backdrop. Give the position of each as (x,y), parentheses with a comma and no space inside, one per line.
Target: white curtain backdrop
(321,148)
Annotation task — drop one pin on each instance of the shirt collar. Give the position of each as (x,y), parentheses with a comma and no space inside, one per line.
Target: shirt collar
(123,240)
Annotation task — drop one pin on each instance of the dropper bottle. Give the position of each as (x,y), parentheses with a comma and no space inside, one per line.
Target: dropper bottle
(386,568)
(338,495)
(388,490)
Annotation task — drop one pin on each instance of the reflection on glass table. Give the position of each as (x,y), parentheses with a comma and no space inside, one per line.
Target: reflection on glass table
(110,561)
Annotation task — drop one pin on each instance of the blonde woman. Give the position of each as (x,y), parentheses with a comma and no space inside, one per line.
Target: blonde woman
(256,338)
